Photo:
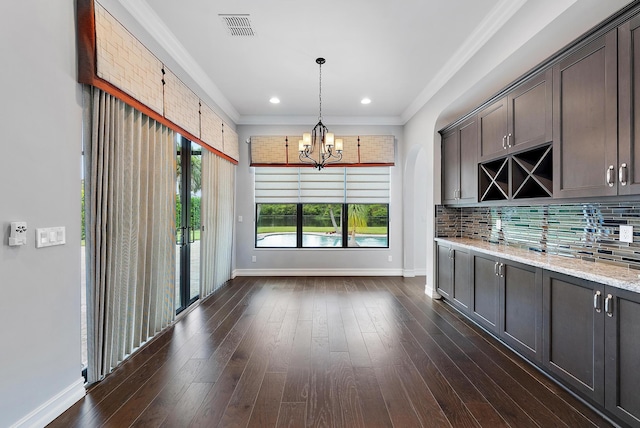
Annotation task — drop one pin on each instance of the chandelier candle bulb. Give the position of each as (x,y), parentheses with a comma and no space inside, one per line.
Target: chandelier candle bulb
(339,144)
(301,145)
(329,139)
(306,137)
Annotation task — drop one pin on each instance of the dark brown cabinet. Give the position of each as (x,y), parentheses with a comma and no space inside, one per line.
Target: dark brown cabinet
(628,180)
(621,310)
(585,120)
(507,300)
(453,275)
(519,121)
(459,148)
(592,341)
(485,290)
(573,331)
(521,308)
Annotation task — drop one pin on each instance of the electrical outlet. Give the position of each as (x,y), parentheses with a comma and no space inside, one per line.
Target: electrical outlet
(390,258)
(626,233)
(253,259)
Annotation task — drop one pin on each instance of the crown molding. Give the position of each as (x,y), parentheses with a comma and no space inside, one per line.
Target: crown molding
(494,21)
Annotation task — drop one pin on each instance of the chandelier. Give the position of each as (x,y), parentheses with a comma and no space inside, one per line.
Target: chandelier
(319,147)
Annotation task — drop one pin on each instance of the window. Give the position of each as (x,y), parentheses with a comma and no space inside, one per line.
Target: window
(335,207)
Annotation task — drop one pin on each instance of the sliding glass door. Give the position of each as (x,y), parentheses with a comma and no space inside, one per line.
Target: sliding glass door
(188,223)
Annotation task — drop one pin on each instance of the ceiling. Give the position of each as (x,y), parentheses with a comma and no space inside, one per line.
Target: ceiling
(398,54)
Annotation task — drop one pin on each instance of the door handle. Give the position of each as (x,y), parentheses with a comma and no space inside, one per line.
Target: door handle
(597,301)
(622,174)
(610,179)
(608,305)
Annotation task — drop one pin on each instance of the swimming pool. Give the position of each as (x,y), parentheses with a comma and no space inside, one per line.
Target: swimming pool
(313,240)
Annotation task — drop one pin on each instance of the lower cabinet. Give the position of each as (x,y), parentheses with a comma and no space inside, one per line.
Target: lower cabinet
(507,300)
(585,334)
(453,275)
(592,342)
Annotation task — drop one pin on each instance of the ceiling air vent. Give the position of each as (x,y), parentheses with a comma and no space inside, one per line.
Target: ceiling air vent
(238,25)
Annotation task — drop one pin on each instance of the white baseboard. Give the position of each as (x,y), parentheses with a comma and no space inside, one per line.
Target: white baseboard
(430,292)
(318,272)
(54,407)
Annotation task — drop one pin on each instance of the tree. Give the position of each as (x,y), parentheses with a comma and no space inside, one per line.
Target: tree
(357,217)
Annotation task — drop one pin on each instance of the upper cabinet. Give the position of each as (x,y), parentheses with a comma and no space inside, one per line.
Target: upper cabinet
(519,121)
(459,147)
(585,121)
(628,180)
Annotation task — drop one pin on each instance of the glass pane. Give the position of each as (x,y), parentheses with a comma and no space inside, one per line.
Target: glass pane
(276,225)
(321,225)
(194,219)
(368,225)
(178,303)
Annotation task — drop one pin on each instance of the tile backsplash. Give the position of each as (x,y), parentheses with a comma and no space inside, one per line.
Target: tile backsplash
(588,231)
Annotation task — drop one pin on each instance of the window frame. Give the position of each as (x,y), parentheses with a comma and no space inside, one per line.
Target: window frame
(344,229)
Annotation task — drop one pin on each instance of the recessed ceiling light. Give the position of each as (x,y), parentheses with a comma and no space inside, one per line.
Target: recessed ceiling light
(274,100)
(365,101)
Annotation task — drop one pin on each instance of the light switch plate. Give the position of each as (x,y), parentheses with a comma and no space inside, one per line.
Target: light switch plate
(50,236)
(626,233)
(499,224)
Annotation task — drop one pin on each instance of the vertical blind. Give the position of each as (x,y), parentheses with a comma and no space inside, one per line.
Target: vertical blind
(130,177)
(218,178)
(330,185)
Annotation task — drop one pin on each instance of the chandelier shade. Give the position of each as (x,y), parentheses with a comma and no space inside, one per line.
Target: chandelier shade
(320,147)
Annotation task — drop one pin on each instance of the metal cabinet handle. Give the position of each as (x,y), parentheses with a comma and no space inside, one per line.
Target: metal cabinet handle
(610,178)
(451,253)
(509,140)
(495,268)
(622,174)
(597,301)
(608,305)
(501,270)
(504,142)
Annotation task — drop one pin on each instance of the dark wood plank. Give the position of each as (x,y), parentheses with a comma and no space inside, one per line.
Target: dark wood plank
(345,401)
(374,409)
(291,415)
(296,388)
(395,397)
(267,405)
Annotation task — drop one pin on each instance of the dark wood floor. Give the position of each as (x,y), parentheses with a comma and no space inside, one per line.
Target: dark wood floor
(343,352)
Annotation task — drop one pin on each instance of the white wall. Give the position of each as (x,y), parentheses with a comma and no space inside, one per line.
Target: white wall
(323,261)
(40,362)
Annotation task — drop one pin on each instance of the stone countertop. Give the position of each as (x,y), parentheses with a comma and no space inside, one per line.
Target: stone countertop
(619,277)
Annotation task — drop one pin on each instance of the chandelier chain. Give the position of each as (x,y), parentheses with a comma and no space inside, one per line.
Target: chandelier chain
(320,93)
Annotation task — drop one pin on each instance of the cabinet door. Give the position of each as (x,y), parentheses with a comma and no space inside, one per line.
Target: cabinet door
(485,293)
(450,167)
(585,120)
(445,271)
(468,139)
(629,102)
(492,131)
(461,279)
(573,330)
(530,108)
(521,309)
(622,351)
